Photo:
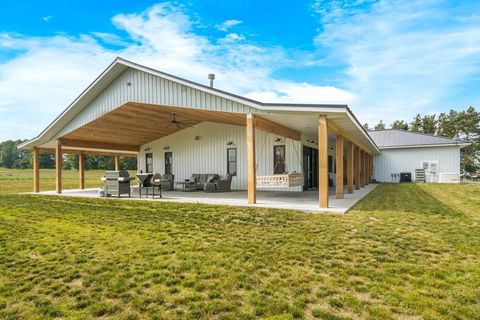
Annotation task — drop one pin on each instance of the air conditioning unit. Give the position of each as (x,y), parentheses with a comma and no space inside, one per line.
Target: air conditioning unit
(431,170)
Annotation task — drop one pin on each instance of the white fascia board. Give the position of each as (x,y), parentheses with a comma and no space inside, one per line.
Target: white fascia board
(461,145)
(360,127)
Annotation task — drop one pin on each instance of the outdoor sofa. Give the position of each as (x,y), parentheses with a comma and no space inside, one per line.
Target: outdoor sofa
(208,182)
(219,185)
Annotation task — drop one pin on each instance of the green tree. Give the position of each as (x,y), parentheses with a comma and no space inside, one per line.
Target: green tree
(23,157)
(70,162)
(429,124)
(128,163)
(8,153)
(400,125)
(366,127)
(416,124)
(468,124)
(380,126)
(47,160)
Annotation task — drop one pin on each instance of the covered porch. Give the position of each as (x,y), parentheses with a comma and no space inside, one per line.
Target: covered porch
(338,159)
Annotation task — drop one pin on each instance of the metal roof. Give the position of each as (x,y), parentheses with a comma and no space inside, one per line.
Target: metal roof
(394,138)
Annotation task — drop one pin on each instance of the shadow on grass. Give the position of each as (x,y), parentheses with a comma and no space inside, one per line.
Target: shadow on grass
(404,198)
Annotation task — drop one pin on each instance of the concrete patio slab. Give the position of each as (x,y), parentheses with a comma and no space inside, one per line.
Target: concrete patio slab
(302,201)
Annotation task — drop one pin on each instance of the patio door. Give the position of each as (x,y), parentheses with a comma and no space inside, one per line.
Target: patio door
(148,162)
(168,163)
(310,168)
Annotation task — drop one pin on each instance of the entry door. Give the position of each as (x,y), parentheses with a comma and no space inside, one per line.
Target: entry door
(168,162)
(149,162)
(310,167)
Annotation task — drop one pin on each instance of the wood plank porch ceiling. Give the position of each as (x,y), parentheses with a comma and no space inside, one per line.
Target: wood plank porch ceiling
(133,125)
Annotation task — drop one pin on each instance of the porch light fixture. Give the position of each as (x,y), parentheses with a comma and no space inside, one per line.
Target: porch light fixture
(166,148)
(128,84)
(229,143)
(278,139)
(197,138)
(146,149)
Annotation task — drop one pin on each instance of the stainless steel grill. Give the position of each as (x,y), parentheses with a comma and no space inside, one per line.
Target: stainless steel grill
(116,183)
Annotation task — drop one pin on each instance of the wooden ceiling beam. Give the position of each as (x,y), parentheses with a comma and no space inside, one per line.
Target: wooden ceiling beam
(275,128)
(88,152)
(98,145)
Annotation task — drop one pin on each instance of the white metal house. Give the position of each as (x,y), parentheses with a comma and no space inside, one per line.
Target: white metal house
(180,127)
(404,151)
(125,111)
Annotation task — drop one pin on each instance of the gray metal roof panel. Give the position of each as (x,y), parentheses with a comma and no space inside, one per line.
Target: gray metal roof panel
(398,138)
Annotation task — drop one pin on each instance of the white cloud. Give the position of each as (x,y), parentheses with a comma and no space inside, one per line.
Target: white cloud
(401,57)
(232,37)
(47,18)
(290,92)
(228,24)
(51,71)
(110,38)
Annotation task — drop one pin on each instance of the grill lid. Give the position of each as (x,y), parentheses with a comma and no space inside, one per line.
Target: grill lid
(142,177)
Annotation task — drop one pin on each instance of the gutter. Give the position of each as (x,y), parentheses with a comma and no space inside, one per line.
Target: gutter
(459,144)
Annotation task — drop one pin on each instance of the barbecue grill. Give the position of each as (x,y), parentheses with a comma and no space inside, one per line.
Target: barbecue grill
(144,181)
(116,183)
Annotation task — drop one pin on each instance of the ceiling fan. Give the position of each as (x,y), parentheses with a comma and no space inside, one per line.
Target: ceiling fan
(178,123)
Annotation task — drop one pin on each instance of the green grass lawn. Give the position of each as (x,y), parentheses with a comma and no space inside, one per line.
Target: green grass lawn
(404,252)
(15,181)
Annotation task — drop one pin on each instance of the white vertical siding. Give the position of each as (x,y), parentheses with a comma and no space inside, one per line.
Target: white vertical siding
(150,89)
(209,153)
(408,159)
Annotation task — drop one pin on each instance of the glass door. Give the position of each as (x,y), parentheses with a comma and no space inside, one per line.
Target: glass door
(168,162)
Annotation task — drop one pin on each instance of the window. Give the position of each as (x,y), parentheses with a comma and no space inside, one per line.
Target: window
(232,161)
(168,162)
(149,162)
(279,166)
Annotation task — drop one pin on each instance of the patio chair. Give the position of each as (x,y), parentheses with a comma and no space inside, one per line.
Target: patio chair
(167,182)
(191,183)
(156,182)
(219,185)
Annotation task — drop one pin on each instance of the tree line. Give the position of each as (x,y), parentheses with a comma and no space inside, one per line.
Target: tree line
(13,157)
(460,125)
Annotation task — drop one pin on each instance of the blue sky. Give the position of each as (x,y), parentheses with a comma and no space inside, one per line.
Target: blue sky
(387,59)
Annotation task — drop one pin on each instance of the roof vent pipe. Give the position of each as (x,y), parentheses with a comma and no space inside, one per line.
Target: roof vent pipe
(211,76)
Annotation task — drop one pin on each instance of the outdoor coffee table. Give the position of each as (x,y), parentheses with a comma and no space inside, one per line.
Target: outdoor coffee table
(185,186)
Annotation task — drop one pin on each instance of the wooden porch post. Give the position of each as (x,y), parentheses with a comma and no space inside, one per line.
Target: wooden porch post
(365,164)
(36,170)
(372,171)
(323,161)
(81,170)
(362,168)
(357,167)
(349,167)
(58,167)
(252,179)
(339,163)
(117,163)
(369,173)
(367,169)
